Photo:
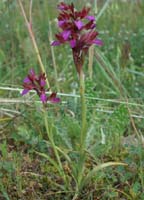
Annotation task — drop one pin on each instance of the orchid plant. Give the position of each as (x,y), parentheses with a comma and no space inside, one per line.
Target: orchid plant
(78,30)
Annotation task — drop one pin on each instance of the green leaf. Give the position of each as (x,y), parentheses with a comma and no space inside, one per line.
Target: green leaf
(100,167)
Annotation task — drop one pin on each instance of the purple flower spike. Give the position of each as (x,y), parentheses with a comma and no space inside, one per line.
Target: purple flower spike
(79,24)
(77,29)
(90,17)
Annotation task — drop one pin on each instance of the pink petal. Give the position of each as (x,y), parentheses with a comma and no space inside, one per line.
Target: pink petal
(25,91)
(55,43)
(79,24)
(43,97)
(61,7)
(98,42)
(61,22)
(27,80)
(55,100)
(42,82)
(91,18)
(66,34)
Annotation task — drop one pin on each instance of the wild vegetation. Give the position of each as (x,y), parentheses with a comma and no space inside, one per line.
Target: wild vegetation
(76,137)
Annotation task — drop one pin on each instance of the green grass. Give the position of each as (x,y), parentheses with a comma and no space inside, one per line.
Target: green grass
(115,107)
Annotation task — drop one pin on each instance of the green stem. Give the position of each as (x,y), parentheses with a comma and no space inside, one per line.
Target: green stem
(50,137)
(83,132)
(83,112)
(90,64)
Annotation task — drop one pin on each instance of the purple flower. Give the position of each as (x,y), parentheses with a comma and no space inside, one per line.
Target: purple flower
(34,82)
(79,24)
(98,42)
(53,99)
(25,91)
(61,23)
(77,31)
(26,80)
(55,43)
(66,34)
(38,83)
(43,97)
(42,82)
(91,18)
